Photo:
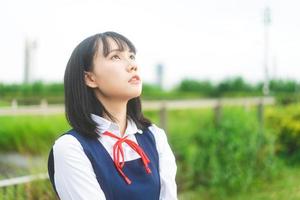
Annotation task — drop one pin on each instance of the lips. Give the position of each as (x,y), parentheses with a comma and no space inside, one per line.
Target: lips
(134,78)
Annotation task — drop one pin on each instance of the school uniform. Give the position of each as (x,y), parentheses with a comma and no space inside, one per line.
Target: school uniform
(139,165)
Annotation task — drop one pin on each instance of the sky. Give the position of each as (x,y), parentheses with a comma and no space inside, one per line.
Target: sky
(196,39)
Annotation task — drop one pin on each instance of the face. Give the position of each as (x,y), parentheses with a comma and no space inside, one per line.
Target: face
(111,76)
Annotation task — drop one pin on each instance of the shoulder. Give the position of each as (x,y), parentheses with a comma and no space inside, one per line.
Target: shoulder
(74,176)
(156,130)
(66,145)
(159,135)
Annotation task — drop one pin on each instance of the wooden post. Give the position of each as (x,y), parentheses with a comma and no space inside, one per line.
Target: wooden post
(163,116)
(44,106)
(260,114)
(44,103)
(14,104)
(247,106)
(217,113)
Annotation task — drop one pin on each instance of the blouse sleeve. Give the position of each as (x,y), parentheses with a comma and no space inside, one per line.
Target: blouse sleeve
(167,165)
(74,176)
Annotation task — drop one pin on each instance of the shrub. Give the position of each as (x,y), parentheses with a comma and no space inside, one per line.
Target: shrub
(285,122)
(230,156)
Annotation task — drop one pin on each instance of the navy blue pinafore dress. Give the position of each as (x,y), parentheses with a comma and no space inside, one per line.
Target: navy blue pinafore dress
(144,186)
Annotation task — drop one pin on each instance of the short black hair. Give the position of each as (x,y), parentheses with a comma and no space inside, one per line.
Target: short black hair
(80,100)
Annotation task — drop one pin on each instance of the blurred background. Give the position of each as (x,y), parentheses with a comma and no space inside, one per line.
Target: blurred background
(221,77)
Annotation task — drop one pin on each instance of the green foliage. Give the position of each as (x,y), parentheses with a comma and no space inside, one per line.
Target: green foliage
(285,98)
(189,85)
(37,190)
(30,134)
(153,92)
(285,122)
(283,86)
(229,157)
(284,186)
(32,93)
(234,84)
(37,88)
(28,94)
(237,86)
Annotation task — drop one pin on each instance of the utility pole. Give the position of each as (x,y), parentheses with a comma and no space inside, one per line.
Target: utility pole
(267,22)
(29,60)
(160,75)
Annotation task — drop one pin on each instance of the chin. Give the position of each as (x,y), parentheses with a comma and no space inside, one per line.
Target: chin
(135,94)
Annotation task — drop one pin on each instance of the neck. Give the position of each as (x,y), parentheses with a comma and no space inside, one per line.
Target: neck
(118,109)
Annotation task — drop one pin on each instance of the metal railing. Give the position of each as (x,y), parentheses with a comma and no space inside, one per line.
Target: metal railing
(17,181)
(45,109)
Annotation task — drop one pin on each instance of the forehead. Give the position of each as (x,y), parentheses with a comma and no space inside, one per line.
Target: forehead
(106,45)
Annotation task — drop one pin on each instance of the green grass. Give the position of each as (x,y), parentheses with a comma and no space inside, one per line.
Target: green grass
(30,134)
(36,190)
(4,103)
(286,186)
(232,155)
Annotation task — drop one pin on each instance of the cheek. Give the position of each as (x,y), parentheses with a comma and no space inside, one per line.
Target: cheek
(110,76)
(111,80)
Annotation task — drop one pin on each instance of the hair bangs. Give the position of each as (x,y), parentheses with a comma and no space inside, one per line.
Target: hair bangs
(122,42)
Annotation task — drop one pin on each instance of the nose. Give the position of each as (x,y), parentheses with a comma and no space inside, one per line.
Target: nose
(132,66)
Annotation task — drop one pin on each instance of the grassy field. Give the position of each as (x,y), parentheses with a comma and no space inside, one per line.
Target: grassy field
(30,134)
(34,135)
(286,186)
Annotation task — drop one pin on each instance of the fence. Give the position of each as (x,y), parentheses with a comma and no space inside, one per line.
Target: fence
(215,104)
(15,182)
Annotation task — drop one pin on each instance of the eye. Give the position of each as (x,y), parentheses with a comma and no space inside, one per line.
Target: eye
(132,57)
(115,57)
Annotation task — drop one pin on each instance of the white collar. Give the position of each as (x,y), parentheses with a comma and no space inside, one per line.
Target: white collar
(106,125)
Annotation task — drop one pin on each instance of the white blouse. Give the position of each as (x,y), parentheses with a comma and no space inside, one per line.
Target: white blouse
(74,176)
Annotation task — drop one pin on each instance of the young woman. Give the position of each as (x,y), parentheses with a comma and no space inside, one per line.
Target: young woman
(112,151)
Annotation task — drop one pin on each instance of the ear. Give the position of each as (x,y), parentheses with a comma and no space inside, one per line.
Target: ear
(90,79)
